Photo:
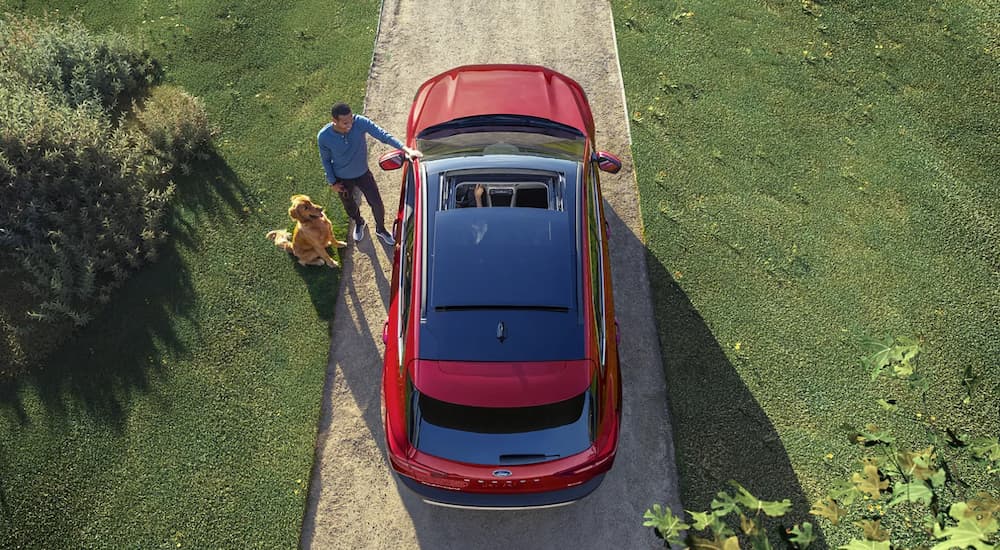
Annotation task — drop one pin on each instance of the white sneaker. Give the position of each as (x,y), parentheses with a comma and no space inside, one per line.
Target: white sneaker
(385,236)
(359,231)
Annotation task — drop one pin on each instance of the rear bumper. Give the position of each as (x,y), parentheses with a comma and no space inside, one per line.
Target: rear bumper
(501,501)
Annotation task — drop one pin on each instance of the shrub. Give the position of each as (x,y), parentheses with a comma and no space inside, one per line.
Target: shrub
(82,204)
(176,123)
(83,197)
(63,58)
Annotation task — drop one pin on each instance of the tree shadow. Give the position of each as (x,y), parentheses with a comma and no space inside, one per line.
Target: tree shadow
(96,369)
(99,366)
(721,433)
(211,193)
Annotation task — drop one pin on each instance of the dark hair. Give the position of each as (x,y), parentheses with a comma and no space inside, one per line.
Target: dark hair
(340,109)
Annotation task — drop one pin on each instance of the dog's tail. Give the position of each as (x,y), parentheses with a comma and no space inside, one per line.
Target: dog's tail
(281,239)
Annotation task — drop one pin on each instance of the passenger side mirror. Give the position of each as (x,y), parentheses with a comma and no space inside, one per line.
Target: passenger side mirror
(608,163)
(392,160)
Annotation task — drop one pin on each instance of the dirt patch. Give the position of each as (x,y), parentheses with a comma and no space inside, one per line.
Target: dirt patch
(354,501)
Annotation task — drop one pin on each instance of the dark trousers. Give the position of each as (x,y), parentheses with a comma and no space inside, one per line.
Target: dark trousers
(365,184)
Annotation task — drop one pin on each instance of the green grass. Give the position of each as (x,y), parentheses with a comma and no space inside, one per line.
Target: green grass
(807,179)
(812,174)
(186,414)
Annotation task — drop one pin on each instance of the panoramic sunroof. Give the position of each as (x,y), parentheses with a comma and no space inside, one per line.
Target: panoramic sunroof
(502,258)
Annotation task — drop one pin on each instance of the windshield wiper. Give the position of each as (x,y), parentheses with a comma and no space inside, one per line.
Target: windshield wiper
(525,458)
(496,122)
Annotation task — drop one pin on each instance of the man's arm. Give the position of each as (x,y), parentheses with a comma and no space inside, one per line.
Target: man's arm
(326,157)
(377,132)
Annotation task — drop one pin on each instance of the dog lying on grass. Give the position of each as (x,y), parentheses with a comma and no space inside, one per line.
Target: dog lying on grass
(313,233)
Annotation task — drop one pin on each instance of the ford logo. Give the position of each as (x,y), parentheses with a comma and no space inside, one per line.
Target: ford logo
(501,473)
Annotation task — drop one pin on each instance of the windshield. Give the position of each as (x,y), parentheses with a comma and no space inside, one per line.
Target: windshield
(502,436)
(501,134)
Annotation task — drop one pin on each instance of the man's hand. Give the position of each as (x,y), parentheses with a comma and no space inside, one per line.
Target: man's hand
(338,187)
(412,153)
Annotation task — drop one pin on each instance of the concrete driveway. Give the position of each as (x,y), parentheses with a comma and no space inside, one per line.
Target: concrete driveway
(354,501)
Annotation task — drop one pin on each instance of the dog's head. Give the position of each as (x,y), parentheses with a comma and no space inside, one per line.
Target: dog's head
(303,209)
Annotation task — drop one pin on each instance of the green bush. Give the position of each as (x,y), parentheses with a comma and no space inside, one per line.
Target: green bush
(176,123)
(63,58)
(82,204)
(83,195)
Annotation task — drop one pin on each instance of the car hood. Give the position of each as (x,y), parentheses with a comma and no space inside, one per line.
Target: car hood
(475,90)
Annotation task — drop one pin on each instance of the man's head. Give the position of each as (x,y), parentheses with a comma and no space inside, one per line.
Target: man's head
(342,117)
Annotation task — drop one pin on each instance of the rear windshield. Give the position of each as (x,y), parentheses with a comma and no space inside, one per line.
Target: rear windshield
(502,436)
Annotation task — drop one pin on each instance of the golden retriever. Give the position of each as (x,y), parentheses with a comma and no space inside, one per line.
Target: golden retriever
(313,233)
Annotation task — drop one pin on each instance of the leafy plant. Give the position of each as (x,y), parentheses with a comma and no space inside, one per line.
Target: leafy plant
(973,527)
(897,354)
(85,196)
(66,60)
(895,482)
(83,206)
(177,124)
(898,484)
(665,524)
(741,508)
(892,487)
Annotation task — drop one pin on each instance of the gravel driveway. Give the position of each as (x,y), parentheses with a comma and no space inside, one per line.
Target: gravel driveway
(354,502)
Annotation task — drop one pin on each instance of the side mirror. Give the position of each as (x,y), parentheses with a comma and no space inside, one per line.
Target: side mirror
(608,163)
(392,160)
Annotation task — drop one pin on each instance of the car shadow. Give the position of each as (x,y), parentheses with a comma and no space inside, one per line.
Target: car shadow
(721,433)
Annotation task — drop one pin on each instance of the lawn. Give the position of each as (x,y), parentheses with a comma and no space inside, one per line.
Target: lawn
(814,174)
(811,174)
(186,414)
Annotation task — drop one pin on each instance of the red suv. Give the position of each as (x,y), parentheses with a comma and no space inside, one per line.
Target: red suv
(501,382)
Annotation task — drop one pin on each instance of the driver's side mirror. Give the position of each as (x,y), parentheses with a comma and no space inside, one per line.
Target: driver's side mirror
(392,160)
(608,162)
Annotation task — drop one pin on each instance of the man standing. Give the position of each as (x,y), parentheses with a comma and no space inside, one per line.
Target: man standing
(344,153)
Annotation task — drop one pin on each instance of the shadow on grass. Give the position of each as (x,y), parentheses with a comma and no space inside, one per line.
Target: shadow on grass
(97,368)
(323,284)
(212,191)
(720,431)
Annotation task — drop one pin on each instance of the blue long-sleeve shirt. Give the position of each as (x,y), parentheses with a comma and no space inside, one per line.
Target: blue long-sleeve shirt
(345,156)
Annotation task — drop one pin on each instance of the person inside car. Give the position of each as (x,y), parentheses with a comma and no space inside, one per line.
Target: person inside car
(469,197)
